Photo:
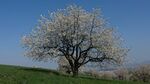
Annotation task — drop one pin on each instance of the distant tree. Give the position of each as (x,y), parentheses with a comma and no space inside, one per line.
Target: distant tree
(80,36)
(141,73)
(122,74)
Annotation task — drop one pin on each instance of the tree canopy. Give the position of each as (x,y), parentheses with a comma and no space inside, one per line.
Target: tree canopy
(80,36)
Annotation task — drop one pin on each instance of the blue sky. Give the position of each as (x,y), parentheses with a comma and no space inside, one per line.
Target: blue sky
(19,17)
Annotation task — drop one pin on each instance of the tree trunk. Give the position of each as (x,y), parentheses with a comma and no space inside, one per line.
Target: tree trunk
(75,71)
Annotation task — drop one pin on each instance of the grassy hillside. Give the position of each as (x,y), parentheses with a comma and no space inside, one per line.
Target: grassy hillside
(23,75)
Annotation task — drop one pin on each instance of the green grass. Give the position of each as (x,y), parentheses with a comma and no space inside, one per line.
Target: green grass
(24,75)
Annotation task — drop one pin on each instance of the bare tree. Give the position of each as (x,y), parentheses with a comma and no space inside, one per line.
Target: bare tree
(80,36)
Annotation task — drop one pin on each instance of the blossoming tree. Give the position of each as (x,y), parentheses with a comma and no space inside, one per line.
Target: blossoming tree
(80,36)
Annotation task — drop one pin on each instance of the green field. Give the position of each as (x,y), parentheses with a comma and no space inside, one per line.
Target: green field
(24,75)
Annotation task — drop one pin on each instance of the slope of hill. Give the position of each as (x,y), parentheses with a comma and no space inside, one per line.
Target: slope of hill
(25,75)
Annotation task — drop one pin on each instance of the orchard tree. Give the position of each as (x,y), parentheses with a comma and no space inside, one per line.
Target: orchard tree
(80,36)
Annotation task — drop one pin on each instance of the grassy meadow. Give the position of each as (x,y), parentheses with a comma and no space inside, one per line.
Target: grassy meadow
(25,75)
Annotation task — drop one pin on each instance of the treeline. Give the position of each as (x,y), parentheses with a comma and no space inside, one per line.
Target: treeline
(139,73)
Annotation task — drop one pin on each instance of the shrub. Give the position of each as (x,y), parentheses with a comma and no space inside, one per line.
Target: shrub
(94,73)
(107,75)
